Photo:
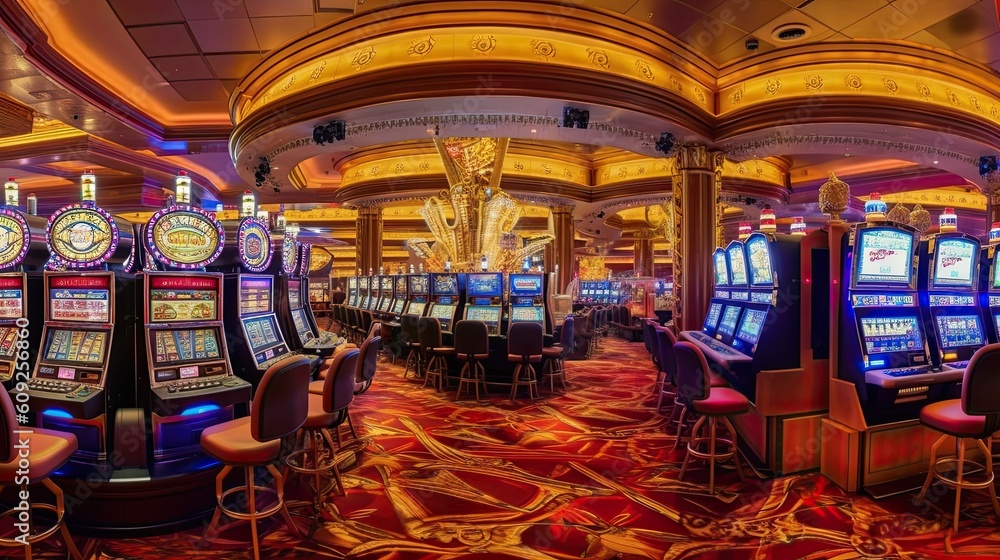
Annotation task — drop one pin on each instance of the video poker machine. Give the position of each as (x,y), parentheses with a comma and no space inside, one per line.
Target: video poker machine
(85,371)
(383,304)
(400,295)
(720,295)
(419,292)
(22,255)
(948,284)
(884,350)
(526,299)
(352,291)
(364,292)
(187,375)
(484,299)
(446,299)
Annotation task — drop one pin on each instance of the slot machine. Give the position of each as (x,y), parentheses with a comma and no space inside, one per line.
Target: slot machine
(400,295)
(948,281)
(721,293)
(989,287)
(187,383)
(85,371)
(364,295)
(352,291)
(22,255)
(739,293)
(419,289)
(883,344)
(316,287)
(254,336)
(446,299)
(384,294)
(525,299)
(294,310)
(484,299)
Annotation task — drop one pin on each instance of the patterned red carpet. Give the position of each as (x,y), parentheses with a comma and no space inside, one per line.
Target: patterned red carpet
(585,474)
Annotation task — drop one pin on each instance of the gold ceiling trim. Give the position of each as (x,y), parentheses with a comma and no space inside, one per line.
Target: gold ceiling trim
(895,82)
(936,197)
(413,166)
(664,168)
(475,44)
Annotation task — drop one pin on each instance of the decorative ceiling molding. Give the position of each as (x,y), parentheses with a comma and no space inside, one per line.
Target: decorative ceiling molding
(776,140)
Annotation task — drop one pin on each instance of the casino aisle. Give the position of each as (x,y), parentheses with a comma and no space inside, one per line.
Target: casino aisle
(586,474)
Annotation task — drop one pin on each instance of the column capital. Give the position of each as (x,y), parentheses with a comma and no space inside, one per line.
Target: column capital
(369,209)
(561,208)
(698,157)
(645,233)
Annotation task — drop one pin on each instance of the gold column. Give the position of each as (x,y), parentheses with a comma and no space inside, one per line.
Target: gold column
(643,252)
(992,206)
(563,246)
(695,222)
(368,252)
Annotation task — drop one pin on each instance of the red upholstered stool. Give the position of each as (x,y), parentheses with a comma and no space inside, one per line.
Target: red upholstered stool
(713,404)
(555,367)
(279,409)
(524,347)
(46,451)
(434,352)
(410,334)
(472,345)
(976,417)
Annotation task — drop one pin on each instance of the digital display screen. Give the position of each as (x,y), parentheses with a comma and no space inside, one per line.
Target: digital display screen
(486,314)
(959,330)
(80,305)
(416,308)
(721,268)
(400,285)
(187,372)
(8,341)
(884,256)
(445,312)
(66,373)
(712,318)
(951,299)
(485,284)
(262,332)
(418,284)
(302,324)
(761,273)
(255,294)
(526,314)
(737,265)
(76,346)
(12,302)
(294,294)
(397,308)
(525,285)
(891,334)
(169,346)
(880,300)
(385,282)
(384,305)
(954,262)
(365,282)
(996,321)
(352,283)
(730,315)
(176,305)
(751,325)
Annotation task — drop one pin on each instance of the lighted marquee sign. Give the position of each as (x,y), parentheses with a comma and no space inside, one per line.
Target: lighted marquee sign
(15,237)
(289,256)
(254,241)
(184,237)
(305,257)
(81,236)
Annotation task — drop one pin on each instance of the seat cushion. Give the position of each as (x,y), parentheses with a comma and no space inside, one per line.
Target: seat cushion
(316,387)
(717,380)
(48,450)
(443,351)
(722,400)
(519,358)
(232,444)
(476,356)
(948,417)
(317,417)
(553,352)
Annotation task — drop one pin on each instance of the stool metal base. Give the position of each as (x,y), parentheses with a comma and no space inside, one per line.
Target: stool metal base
(251,492)
(33,537)
(937,472)
(712,454)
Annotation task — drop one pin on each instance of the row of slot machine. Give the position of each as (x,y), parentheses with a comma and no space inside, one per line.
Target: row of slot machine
(154,330)
(599,292)
(494,298)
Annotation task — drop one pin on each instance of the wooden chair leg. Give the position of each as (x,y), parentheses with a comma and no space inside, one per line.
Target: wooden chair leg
(694,435)
(958,478)
(930,471)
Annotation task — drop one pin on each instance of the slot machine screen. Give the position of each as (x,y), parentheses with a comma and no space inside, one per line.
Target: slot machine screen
(891,334)
(442,312)
(255,294)
(416,308)
(761,273)
(80,305)
(712,318)
(385,304)
(737,265)
(525,285)
(171,346)
(996,321)
(954,262)
(485,284)
(884,256)
(76,346)
(727,326)
(418,284)
(294,293)
(8,341)
(302,324)
(721,268)
(486,314)
(397,307)
(178,299)
(262,332)
(751,325)
(959,330)
(400,285)
(526,314)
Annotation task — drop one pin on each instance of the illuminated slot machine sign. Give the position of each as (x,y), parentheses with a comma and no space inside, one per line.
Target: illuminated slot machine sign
(183,299)
(253,239)
(255,294)
(12,297)
(737,264)
(525,295)
(305,258)
(352,291)
(81,237)
(294,294)
(761,271)
(720,268)
(15,238)
(445,288)
(184,238)
(400,294)
(955,262)
(385,287)
(289,257)
(884,258)
(80,299)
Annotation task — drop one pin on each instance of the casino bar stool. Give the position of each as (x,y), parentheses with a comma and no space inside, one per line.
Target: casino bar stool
(368,364)
(555,366)
(665,341)
(975,416)
(434,351)
(279,408)
(524,348)
(472,345)
(48,451)
(410,332)
(649,332)
(713,404)
(386,334)
(327,409)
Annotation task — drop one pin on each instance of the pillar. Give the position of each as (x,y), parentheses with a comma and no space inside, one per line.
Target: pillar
(992,206)
(368,251)
(695,197)
(643,253)
(563,245)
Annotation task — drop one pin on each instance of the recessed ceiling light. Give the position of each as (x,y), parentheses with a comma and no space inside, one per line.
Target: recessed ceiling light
(935,162)
(791,32)
(533,131)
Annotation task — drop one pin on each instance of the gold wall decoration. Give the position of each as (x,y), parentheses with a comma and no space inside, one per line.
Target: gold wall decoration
(834,196)
(920,219)
(899,214)
(473,217)
(592,268)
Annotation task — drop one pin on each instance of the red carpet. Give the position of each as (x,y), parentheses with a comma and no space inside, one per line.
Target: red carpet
(586,474)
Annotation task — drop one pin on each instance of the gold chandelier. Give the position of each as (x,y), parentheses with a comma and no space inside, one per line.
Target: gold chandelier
(483,216)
